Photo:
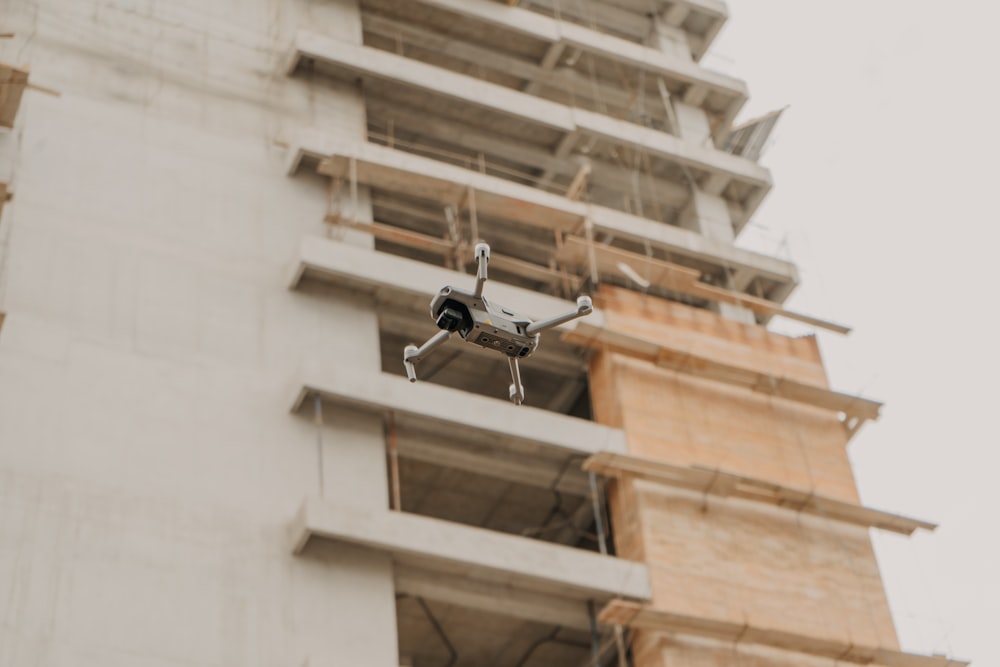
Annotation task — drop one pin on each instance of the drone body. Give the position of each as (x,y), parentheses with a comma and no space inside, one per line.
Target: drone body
(487,325)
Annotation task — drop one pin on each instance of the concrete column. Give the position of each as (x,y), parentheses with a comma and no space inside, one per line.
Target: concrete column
(693,125)
(708,215)
(344,597)
(669,38)
(345,611)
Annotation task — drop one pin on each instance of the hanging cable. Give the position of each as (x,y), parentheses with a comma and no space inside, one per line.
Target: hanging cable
(598,522)
(453,654)
(318,418)
(397,503)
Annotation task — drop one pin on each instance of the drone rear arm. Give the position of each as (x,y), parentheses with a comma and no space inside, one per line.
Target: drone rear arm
(584,306)
(482,259)
(412,354)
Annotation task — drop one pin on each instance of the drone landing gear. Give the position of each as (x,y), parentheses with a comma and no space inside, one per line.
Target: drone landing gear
(516,388)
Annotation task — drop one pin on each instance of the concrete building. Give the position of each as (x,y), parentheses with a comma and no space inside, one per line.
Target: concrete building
(221,234)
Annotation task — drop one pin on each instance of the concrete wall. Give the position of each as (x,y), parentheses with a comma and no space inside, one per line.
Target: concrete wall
(148,465)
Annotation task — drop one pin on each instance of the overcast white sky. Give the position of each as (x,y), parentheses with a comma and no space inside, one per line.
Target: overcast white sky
(886,191)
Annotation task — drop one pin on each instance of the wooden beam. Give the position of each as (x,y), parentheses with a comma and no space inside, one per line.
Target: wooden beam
(579,183)
(725,485)
(636,615)
(677,278)
(13,81)
(684,361)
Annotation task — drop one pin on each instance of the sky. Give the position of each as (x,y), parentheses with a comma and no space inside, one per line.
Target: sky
(886,182)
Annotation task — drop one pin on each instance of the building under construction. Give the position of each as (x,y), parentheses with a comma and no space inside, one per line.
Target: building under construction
(222,224)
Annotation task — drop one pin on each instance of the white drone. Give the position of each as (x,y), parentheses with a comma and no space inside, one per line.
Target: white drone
(487,325)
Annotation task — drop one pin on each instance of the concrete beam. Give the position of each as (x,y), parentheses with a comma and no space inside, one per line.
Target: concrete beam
(536,471)
(389,169)
(473,553)
(461,415)
(492,597)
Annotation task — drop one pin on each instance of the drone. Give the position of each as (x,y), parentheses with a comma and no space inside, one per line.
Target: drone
(487,325)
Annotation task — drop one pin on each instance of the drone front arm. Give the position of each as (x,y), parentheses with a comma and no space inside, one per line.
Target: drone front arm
(412,354)
(584,306)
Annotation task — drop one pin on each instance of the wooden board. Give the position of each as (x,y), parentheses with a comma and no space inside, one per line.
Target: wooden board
(13,81)
(677,278)
(724,484)
(855,409)
(635,615)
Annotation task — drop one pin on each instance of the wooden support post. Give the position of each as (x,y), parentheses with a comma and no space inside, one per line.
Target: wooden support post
(579,182)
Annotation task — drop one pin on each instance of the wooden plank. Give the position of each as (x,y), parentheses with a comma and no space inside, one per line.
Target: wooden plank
(397,235)
(445,247)
(852,407)
(636,615)
(576,251)
(679,279)
(530,270)
(725,484)
(13,81)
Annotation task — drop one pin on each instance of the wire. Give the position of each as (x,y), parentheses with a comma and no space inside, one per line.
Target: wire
(453,654)
(318,415)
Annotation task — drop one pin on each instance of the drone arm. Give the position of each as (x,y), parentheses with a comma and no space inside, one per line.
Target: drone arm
(413,354)
(482,259)
(584,306)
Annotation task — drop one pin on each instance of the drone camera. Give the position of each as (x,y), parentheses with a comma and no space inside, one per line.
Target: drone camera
(450,319)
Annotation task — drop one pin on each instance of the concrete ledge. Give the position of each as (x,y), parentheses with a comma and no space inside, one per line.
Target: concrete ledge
(462,414)
(473,553)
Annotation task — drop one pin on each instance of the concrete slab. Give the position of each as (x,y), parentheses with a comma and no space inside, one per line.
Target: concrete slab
(473,553)
(460,414)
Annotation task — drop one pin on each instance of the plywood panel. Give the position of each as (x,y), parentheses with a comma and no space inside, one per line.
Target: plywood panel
(704,333)
(725,562)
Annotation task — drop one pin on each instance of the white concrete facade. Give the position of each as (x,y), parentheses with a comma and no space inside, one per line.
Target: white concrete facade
(149,464)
